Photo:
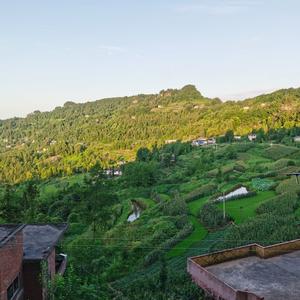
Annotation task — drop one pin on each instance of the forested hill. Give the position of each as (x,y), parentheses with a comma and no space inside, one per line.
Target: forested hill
(74,137)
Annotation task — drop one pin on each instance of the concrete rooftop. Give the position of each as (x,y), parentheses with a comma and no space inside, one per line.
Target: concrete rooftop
(273,278)
(8,230)
(39,240)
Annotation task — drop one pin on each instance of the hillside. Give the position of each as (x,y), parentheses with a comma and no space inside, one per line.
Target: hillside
(72,138)
(175,186)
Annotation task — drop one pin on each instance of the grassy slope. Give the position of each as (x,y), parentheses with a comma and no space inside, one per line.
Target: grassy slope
(197,235)
(244,208)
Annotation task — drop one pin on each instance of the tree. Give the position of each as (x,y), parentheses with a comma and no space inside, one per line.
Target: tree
(229,136)
(8,209)
(143,154)
(163,275)
(30,195)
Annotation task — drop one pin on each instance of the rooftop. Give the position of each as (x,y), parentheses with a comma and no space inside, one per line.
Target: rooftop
(8,230)
(39,240)
(272,278)
(253,271)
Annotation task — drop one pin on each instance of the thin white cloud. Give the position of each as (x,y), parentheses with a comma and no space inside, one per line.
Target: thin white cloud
(110,50)
(217,7)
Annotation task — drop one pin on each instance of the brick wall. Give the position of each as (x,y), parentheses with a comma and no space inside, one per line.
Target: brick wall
(51,263)
(32,280)
(11,256)
(32,270)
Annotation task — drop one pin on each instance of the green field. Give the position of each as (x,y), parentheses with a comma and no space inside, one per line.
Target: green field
(243,209)
(197,235)
(195,206)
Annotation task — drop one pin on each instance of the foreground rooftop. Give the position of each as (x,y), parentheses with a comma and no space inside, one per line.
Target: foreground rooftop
(272,278)
(7,231)
(250,272)
(39,240)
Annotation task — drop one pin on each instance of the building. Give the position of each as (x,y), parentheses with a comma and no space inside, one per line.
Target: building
(211,141)
(170,141)
(11,262)
(237,137)
(252,137)
(203,141)
(251,272)
(23,249)
(297,139)
(199,142)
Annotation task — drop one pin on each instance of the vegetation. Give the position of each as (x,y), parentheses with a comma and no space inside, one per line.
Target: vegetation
(73,138)
(174,185)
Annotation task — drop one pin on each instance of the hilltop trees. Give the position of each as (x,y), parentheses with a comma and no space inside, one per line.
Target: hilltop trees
(73,138)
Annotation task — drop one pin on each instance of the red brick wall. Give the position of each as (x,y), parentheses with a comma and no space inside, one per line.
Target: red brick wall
(33,288)
(51,263)
(32,281)
(11,256)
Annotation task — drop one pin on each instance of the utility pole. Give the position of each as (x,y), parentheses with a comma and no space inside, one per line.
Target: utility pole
(224,209)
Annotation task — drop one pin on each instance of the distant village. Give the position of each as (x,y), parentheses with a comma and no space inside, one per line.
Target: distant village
(202,141)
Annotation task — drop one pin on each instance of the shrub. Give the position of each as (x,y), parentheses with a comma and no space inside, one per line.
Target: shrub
(281,205)
(262,184)
(174,207)
(279,151)
(265,229)
(202,191)
(156,254)
(289,185)
(212,217)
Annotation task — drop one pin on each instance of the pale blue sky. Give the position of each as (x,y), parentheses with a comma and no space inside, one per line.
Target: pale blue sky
(59,50)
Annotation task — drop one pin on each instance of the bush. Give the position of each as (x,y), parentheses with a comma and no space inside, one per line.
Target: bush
(156,254)
(265,229)
(174,207)
(281,205)
(212,217)
(279,151)
(289,185)
(262,184)
(204,190)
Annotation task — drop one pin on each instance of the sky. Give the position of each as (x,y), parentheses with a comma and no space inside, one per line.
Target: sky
(53,51)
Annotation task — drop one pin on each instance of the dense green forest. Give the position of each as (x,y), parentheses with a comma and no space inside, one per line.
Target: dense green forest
(53,169)
(175,187)
(73,138)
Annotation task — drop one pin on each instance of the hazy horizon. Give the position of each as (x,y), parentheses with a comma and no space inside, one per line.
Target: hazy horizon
(58,51)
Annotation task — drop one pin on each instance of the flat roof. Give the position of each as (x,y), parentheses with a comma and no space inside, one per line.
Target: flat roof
(40,239)
(7,231)
(273,278)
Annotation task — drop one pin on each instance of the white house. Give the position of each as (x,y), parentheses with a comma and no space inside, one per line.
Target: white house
(211,141)
(199,142)
(252,137)
(297,139)
(170,141)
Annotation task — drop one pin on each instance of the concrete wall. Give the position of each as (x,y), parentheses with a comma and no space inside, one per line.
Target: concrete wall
(222,256)
(196,266)
(11,256)
(210,283)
